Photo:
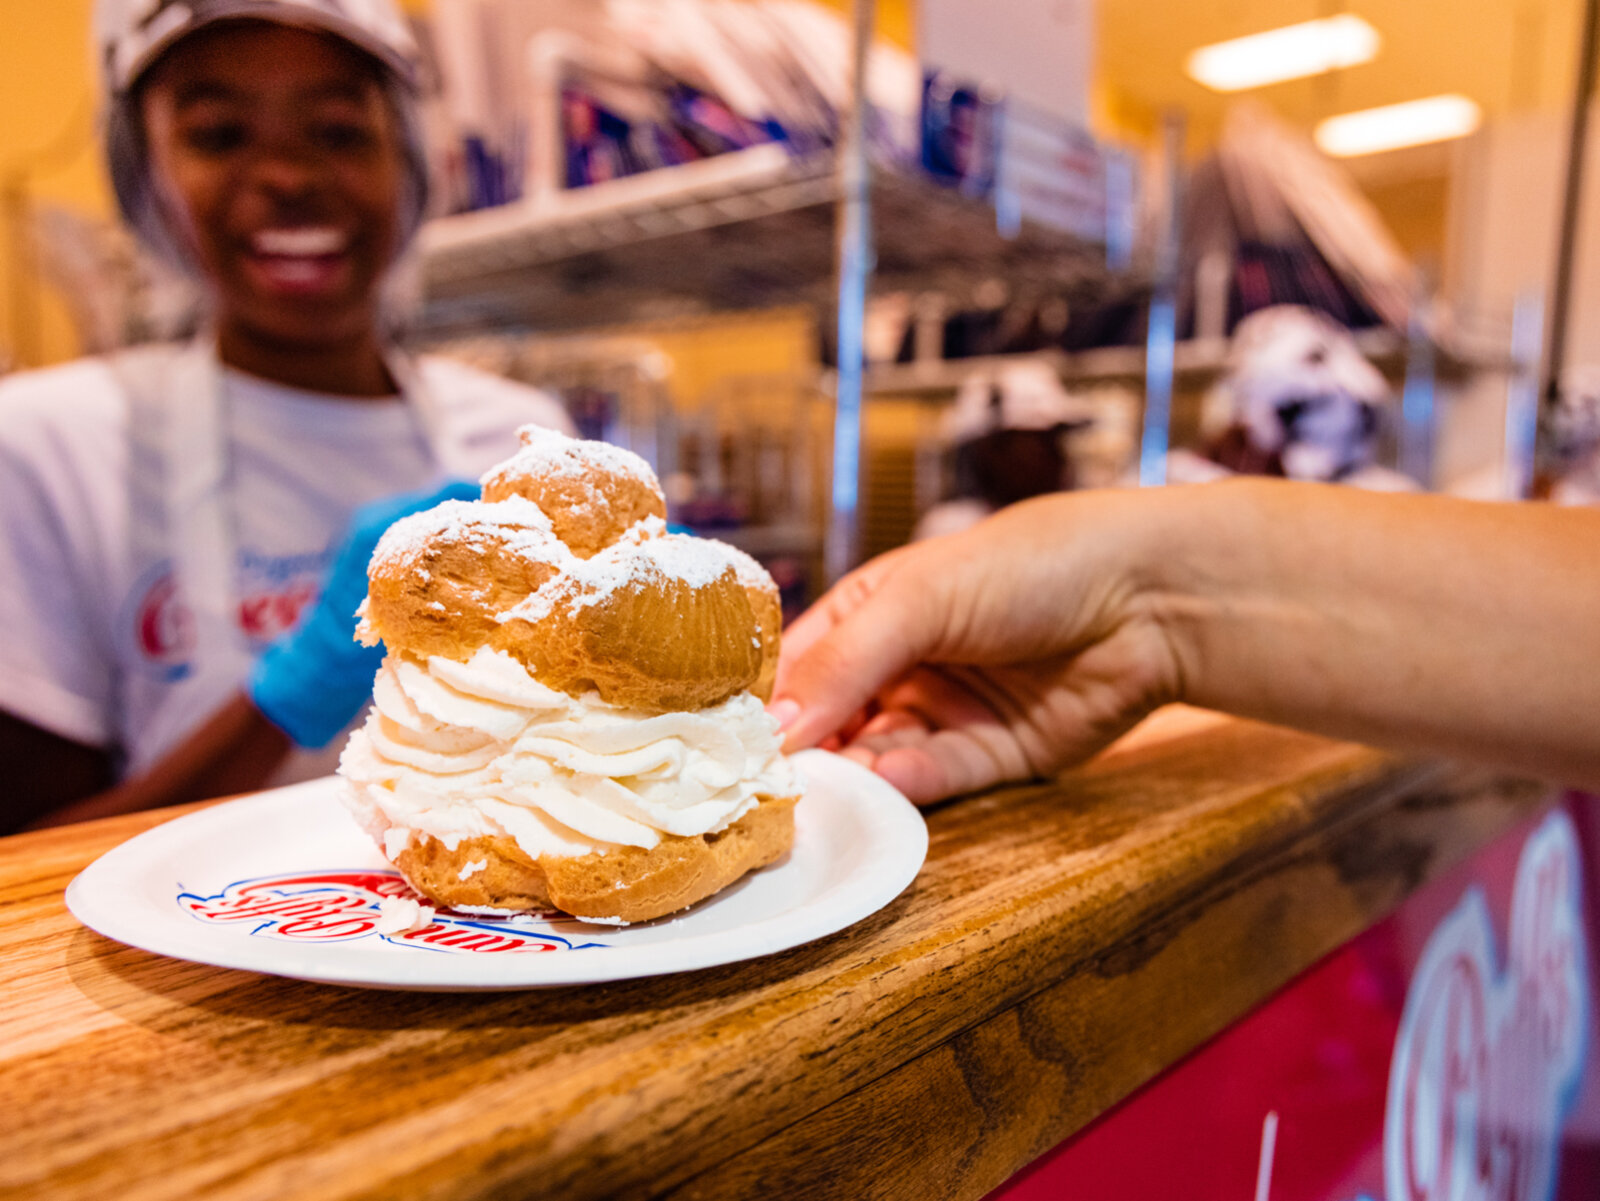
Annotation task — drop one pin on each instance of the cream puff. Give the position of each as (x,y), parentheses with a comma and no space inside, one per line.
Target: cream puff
(569,715)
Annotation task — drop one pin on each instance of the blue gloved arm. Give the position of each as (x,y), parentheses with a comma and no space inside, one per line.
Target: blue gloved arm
(313,680)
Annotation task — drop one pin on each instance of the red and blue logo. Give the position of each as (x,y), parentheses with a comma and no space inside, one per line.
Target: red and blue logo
(341,906)
(162,625)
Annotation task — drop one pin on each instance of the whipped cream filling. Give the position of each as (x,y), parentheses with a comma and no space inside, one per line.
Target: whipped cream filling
(461,750)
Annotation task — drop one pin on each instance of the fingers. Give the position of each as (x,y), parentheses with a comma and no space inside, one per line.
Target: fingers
(937,737)
(948,763)
(934,770)
(862,635)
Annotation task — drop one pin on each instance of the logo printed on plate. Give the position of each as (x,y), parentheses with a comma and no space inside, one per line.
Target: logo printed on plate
(341,906)
(303,873)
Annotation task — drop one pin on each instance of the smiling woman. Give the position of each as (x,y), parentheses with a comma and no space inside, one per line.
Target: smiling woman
(283,176)
(181,528)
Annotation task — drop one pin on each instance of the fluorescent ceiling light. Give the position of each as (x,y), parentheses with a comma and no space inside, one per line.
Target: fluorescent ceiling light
(1310,48)
(1413,123)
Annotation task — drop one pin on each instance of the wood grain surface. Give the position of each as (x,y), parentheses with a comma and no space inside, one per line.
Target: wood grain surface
(1064,943)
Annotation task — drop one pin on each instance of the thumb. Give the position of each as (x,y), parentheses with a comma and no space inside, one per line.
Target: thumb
(871,630)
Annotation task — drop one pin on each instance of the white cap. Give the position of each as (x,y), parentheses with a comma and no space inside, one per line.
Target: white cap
(1030,397)
(131,34)
(1288,353)
(1570,428)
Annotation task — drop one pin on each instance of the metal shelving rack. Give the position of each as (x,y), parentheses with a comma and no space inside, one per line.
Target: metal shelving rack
(754,228)
(1195,362)
(743,230)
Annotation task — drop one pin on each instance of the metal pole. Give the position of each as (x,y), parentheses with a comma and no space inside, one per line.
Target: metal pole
(854,268)
(1522,395)
(1161,338)
(1418,423)
(1577,146)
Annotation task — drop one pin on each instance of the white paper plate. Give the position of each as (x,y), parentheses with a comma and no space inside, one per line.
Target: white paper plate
(284,882)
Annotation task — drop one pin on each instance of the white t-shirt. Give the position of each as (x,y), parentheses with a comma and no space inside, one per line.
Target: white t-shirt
(98,656)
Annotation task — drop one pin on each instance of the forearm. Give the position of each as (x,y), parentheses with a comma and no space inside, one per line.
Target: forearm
(1419,623)
(236,750)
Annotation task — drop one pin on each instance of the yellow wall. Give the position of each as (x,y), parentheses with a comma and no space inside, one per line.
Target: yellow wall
(48,151)
(706,350)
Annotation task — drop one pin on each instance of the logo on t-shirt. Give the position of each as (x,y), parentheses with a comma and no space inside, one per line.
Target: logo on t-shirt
(274,590)
(163,625)
(264,615)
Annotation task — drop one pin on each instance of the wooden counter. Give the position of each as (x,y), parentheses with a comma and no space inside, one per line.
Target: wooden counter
(1063,944)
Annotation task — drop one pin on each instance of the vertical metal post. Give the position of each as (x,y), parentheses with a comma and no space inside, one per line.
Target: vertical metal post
(1161,338)
(1122,217)
(854,269)
(1417,399)
(1522,396)
(1566,245)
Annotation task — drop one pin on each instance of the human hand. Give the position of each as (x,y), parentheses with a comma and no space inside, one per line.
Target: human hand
(311,682)
(1001,653)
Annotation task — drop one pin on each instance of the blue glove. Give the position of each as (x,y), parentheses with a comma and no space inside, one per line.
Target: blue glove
(313,681)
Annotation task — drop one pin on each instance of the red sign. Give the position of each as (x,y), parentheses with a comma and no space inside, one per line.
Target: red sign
(1417,1063)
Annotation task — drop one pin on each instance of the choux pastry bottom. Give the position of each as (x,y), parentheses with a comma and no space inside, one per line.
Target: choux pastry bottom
(630,884)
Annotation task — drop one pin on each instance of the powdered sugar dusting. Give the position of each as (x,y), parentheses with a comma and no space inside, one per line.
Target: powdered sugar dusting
(751,574)
(512,526)
(696,562)
(649,526)
(670,559)
(548,454)
(645,556)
